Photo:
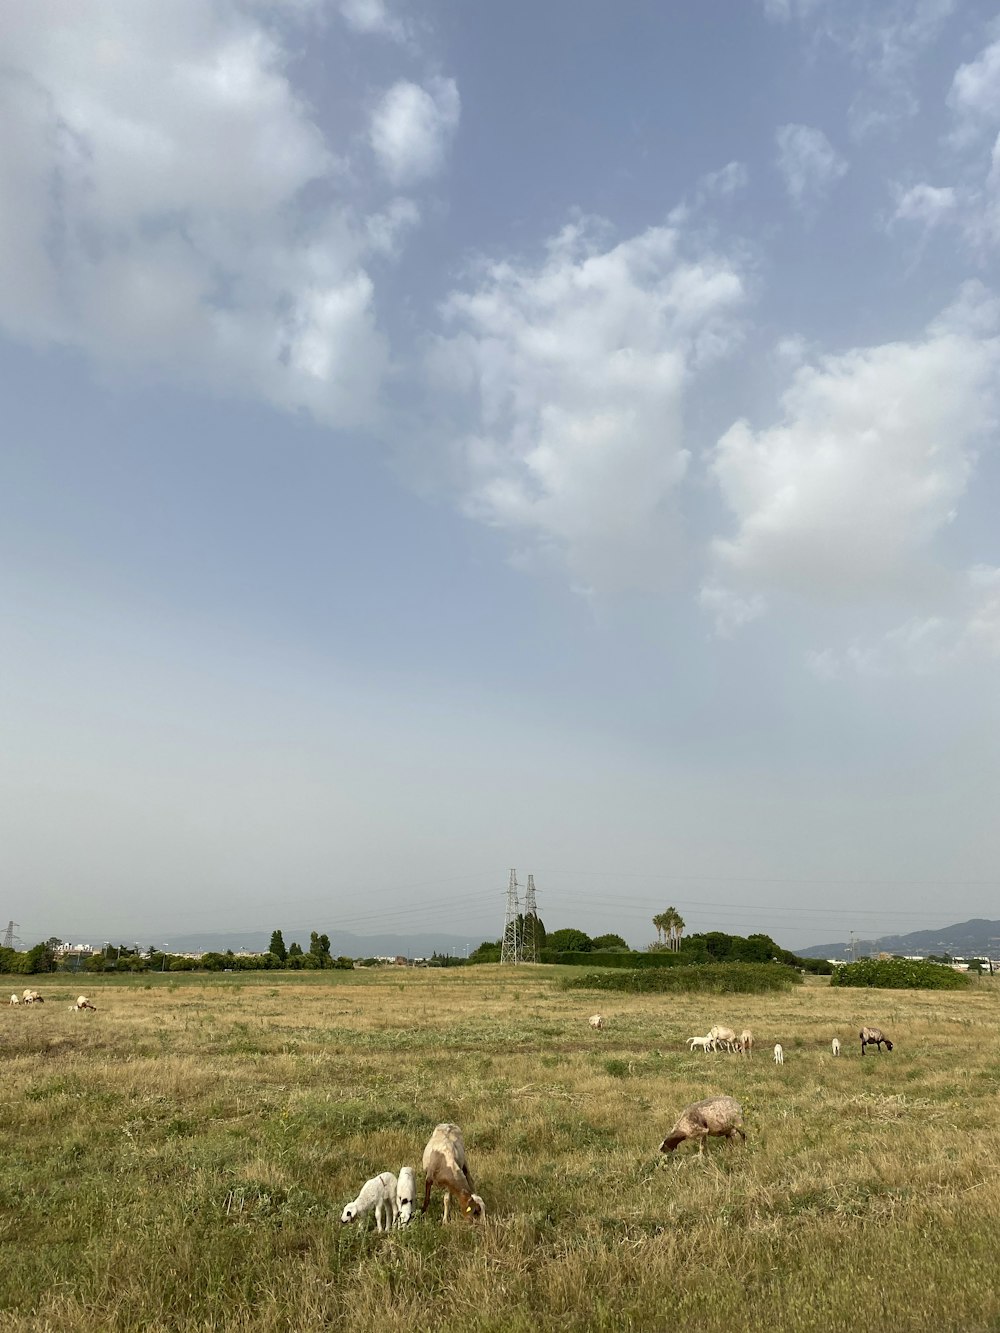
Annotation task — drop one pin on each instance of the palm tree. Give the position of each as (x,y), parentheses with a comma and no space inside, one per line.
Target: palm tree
(660,922)
(676,928)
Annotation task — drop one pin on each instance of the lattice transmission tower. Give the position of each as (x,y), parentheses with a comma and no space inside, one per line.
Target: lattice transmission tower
(509,948)
(9,936)
(529,935)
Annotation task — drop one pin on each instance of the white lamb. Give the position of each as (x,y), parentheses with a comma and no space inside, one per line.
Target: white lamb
(82,1003)
(15,999)
(704,1042)
(779,1054)
(406,1195)
(378,1193)
(596,1021)
(836,1045)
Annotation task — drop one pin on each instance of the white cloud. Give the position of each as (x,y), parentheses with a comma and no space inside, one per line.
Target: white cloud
(729,611)
(372,16)
(926,645)
(154,171)
(842,499)
(884,40)
(412,129)
(809,163)
(974,96)
(930,205)
(573,374)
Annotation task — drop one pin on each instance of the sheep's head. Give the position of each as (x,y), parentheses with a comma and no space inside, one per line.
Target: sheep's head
(473,1208)
(671,1142)
(888,1044)
(349,1213)
(405,1212)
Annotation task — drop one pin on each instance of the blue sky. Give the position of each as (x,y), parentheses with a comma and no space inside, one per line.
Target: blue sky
(448,437)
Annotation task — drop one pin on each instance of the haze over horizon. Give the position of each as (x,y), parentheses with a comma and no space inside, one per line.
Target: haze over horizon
(447,437)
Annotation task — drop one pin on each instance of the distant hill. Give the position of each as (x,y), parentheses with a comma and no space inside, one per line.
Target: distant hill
(969,939)
(341,942)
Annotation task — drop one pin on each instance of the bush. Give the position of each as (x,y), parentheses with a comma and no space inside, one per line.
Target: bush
(631,960)
(715,978)
(898,974)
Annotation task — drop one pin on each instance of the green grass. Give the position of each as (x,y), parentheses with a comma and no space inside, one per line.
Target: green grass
(179,1159)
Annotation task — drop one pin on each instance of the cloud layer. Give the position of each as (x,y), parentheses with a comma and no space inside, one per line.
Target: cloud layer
(842,499)
(573,374)
(172,206)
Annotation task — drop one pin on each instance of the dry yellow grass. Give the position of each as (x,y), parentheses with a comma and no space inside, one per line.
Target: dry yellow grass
(179,1159)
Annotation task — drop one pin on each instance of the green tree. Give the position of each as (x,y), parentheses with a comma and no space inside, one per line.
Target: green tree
(568,941)
(487,952)
(277,945)
(605,942)
(319,951)
(40,959)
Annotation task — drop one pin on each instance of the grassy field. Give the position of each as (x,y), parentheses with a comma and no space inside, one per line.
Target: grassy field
(179,1159)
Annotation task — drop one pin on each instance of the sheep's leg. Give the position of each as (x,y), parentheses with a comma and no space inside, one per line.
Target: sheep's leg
(378,1216)
(427,1196)
(447,1204)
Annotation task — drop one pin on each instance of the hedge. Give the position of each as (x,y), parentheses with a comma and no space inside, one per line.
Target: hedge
(898,974)
(717,978)
(628,960)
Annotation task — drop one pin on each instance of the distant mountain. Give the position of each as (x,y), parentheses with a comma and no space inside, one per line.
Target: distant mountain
(969,939)
(341,942)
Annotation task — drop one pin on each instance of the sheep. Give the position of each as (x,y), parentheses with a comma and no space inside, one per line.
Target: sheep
(596,1021)
(874,1037)
(745,1043)
(445,1165)
(30,996)
(82,1003)
(378,1193)
(836,1046)
(722,1116)
(704,1042)
(15,999)
(722,1037)
(406,1194)
(779,1054)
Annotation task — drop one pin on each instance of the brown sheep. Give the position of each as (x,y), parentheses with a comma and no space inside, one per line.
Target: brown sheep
(445,1165)
(721,1116)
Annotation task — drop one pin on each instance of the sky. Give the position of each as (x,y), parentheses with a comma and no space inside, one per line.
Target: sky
(446,437)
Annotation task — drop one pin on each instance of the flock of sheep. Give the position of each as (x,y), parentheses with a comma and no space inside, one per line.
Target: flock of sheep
(29,996)
(723,1116)
(392,1198)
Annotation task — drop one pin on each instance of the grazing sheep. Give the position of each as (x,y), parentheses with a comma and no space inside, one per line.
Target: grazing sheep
(721,1116)
(779,1054)
(445,1165)
(30,996)
(874,1037)
(378,1193)
(15,999)
(722,1037)
(406,1196)
(82,1003)
(704,1042)
(745,1043)
(836,1045)
(596,1021)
